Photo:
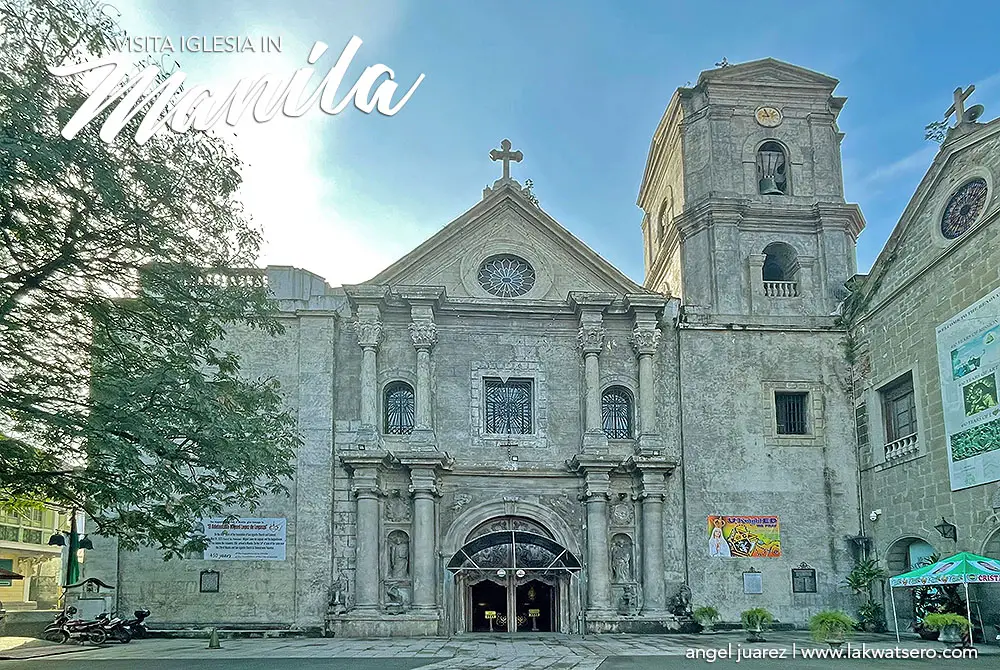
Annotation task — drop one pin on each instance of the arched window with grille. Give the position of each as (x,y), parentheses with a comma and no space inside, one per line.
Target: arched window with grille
(398,408)
(616,412)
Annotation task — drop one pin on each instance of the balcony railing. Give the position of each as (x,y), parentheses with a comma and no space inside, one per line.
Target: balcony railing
(904,446)
(781,289)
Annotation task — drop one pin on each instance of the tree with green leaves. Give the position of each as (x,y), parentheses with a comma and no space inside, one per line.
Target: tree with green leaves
(120,278)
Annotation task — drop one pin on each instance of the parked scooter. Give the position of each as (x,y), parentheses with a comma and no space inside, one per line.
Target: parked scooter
(63,629)
(115,628)
(136,626)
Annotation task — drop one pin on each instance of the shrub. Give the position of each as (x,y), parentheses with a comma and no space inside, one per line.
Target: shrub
(831,625)
(939,621)
(758,616)
(706,615)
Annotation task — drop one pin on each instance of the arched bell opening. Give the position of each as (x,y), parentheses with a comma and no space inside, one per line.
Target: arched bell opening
(514,581)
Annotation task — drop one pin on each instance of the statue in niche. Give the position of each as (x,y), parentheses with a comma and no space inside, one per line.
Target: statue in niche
(339,601)
(621,559)
(397,508)
(680,604)
(399,555)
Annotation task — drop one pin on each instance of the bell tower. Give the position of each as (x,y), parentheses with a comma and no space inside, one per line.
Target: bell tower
(743,196)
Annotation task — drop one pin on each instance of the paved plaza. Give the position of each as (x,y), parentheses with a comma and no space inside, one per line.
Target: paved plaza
(551,652)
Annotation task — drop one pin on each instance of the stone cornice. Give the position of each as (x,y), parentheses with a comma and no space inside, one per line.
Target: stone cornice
(366,293)
(645,302)
(584,463)
(582,301)
(434,295)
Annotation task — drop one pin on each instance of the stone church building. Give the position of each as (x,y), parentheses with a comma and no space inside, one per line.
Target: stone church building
(503,432)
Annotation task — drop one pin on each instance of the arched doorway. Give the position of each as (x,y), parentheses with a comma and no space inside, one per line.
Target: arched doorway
(904,555)
(512,576)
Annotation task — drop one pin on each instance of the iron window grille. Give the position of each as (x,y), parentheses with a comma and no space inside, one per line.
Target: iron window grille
(616,413)
(790,413)
(399,409)
(508,406)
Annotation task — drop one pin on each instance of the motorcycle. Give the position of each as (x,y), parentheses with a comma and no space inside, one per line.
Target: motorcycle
(135,626)
(63,629)
(115,628)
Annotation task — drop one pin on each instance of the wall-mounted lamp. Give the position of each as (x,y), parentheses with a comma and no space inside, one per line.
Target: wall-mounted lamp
(949,531)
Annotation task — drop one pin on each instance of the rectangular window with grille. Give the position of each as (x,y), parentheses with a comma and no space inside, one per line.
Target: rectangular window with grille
(790,412)
(508,406)
(899,408)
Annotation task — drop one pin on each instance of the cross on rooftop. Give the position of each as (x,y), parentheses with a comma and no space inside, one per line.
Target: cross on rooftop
(958,108)
(506,155)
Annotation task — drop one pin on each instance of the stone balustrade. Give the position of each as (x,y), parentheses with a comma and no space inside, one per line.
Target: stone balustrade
(781,289)
(904,446)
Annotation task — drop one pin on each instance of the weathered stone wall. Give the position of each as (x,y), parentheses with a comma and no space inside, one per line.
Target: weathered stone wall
(734,464)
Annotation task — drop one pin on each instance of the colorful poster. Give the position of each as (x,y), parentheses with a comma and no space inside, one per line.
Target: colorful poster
(744,537)
(257,539)
(969,360)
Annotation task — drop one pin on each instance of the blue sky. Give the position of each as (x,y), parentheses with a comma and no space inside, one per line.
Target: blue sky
(578,87)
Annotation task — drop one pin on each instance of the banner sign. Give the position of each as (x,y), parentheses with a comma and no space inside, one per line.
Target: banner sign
(744,537)
(256,539)
(969,358)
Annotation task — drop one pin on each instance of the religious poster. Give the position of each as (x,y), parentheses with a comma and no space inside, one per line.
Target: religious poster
(969,359)
(744,537)
(247,539)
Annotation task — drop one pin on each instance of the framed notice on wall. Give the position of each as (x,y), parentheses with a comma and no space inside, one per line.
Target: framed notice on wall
(969,361)
(247,539)
(753,582)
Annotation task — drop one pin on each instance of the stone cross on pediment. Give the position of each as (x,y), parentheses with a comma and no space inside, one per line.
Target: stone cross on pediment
(506,155)
(958,107)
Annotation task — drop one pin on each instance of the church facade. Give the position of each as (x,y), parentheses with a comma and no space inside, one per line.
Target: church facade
(502,432)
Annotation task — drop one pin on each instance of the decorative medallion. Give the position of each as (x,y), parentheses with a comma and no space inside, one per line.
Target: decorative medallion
(621,514)
(964,208)
(506,276)
(769,117)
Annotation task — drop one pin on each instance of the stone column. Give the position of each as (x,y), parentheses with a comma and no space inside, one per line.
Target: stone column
(596,497)
(369,338)
(653,494)
(591,339)
(424,488)
(364,485)
(424,336)
(645,340)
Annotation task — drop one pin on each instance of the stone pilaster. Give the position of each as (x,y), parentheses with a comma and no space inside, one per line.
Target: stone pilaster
(756,282)
(423,486)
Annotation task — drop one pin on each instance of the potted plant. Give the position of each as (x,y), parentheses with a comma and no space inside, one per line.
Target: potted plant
(755,621)
(861,579)
(707,616)
(832,627)
(951,626)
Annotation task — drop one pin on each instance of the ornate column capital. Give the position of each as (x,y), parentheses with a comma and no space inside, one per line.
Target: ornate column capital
(645,340)
(591,339)
(369,334)
(423,334)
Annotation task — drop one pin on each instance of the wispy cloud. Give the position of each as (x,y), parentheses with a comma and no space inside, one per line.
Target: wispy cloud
(903,167)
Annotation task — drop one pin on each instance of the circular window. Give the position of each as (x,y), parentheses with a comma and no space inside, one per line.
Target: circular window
(506,276)
(964,208)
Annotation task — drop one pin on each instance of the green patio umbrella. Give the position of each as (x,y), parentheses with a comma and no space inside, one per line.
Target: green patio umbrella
(962,568)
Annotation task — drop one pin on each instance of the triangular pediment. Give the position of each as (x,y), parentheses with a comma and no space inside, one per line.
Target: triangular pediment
(506,221)
(768,71)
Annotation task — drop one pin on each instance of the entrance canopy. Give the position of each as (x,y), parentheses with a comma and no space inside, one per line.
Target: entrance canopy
(513,550)
(962,568)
